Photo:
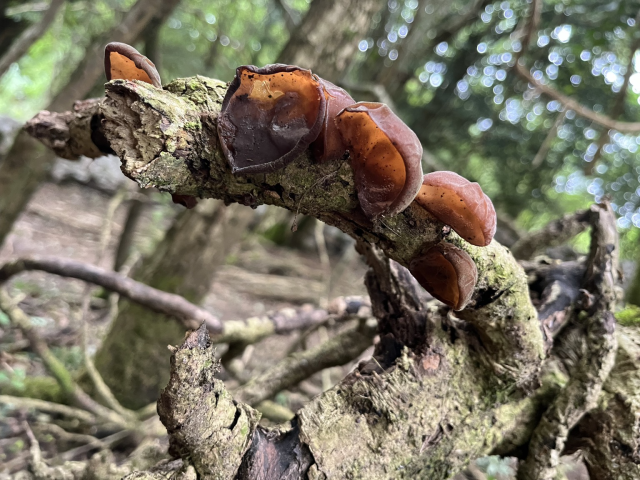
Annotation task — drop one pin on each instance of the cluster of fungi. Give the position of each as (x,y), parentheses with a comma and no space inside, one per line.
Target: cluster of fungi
(271,115)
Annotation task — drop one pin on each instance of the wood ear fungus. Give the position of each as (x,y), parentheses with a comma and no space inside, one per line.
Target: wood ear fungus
(461,204)
(187,201)
(329,145)
(270,116)
(124,61)
(446,272)
(386,157)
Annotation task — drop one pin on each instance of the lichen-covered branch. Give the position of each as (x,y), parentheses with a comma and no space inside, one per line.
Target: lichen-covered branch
(594,313)
(167,139)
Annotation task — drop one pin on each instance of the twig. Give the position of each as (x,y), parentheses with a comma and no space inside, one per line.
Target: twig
(585,385)
(54,366)
(60,433)
(341,349)
(167,303)
(101,443)
(618,106)
(554,233)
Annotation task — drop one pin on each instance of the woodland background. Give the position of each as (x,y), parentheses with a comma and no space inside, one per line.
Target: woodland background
(447,68)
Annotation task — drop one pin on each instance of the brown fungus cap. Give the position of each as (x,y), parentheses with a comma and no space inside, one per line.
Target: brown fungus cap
(446,272)
(461,204)
(125,62)
(329,145)
(386,157)
(270,116)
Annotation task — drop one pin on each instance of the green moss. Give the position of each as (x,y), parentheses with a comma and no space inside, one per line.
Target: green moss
(629,317)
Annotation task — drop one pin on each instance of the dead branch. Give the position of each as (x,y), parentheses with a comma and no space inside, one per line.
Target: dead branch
(21,45)
(594,313)
(162,302)
(618,106)
(553,234)
(55,367)
(541,155)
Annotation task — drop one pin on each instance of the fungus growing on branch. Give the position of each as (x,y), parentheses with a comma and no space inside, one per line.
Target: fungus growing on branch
(270,116)
(125,62)
(446,272)
(385,156)
(329,145)
(459,203)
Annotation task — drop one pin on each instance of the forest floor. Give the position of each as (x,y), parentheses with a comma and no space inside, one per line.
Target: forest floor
(66,217)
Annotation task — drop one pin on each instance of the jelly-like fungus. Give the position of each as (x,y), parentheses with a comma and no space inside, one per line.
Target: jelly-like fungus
(385,156)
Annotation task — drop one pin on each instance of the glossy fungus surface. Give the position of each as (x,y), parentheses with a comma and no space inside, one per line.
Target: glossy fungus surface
(461,204)
(446,272)
(125,62)
(329,144)
(270,116)
(385,156)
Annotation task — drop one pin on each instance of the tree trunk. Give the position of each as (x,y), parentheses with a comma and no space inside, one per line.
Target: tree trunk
(25,167)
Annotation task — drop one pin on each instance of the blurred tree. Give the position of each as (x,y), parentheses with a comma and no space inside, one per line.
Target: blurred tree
(21,43)
(26,164)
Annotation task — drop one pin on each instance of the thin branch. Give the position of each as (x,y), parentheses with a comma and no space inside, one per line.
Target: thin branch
(162,302)
(553,234)
(571,104)
(102,390)
(54,366)
(546,144)
(341,349)
(22,44)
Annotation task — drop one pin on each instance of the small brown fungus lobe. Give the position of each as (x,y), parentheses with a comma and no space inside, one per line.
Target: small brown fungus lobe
(386,157)
(329,145)
(461,204)
(122,61)
(187,201)
(270,116)
(446,272)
